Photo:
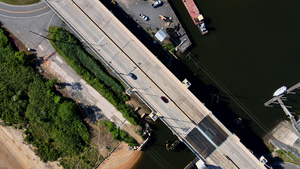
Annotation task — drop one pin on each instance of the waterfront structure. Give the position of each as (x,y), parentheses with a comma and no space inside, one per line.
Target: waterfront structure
(183,113)
(277,97)
(196,16)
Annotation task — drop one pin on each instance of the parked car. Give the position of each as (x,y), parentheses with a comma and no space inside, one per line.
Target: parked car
(156,4)
(133,76)
(164,99)
(144,17)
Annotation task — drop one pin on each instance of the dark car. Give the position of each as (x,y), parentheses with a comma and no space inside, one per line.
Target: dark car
(164,99)
(133,76)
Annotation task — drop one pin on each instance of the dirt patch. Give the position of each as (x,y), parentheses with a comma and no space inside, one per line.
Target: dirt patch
(17,43)
(121,158)
(102,138)
(28,157)
(15,154)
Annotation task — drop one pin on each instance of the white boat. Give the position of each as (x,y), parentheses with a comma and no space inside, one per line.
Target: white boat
(280,91)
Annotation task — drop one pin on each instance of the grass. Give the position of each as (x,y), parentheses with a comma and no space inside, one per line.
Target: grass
(19,2)
(293,156)
(88,159)
(288,157)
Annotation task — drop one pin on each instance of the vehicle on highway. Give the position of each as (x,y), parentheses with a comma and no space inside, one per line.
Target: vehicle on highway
(164,99)
(144,17)
(133,76)
(156,4)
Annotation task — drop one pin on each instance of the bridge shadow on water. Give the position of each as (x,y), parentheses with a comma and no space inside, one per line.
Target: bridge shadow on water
(214,100)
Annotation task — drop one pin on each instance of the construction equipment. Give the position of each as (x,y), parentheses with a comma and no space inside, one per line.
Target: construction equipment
(164,18)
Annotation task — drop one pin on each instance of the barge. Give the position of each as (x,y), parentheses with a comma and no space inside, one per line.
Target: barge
(196,16)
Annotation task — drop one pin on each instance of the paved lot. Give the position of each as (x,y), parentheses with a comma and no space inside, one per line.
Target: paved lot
(31,31)
(135,7)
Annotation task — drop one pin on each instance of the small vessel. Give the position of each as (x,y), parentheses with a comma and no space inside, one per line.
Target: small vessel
(280,91)
(196,16)
(237,124)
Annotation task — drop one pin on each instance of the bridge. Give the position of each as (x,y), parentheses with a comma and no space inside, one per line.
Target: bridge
(184,114)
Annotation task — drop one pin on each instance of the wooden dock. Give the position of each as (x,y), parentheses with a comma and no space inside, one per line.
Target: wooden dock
(285,109)
(278,97)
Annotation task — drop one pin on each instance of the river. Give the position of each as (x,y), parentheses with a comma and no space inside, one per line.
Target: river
(251,50)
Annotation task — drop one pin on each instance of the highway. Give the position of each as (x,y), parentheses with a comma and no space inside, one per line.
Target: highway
(184,114)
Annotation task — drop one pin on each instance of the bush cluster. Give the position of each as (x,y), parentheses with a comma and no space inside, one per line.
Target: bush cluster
(54,126)
(119,134)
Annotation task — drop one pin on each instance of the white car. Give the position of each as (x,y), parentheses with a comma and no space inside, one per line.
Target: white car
(144,17)
(156,4)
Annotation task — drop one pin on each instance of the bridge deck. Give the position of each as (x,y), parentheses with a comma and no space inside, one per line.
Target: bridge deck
(123,53)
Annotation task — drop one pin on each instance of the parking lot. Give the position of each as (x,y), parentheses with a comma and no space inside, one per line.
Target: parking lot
(136,7)
(154,22)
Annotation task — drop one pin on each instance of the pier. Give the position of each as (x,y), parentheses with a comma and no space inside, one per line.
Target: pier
(289,90)
(285,109)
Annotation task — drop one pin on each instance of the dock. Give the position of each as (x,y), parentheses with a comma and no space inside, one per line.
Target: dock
(289,90)
(285,109)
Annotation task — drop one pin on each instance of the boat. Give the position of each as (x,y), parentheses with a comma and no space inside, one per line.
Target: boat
(280,91)
(196,16)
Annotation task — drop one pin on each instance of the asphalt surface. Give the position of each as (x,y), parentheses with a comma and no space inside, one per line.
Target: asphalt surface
(283,165)
(29,24)
(134,8)
(22,11)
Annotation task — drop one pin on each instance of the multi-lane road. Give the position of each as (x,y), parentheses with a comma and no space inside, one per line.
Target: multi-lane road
(184,114)
(21,11)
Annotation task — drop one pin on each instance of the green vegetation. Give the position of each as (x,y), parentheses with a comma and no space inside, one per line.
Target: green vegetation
(90,70)
(88,159)
(20,2)
(119,134)
(53,124)
(288,157)
(271,148)
(170,47)
(293,156)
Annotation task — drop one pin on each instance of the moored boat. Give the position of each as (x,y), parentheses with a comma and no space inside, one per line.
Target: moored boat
(196,16)
(280,91)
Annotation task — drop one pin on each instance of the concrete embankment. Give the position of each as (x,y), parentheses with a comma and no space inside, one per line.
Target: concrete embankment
(284,136)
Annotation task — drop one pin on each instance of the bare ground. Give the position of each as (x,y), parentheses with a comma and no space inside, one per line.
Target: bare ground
(15,154)
(121,158)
